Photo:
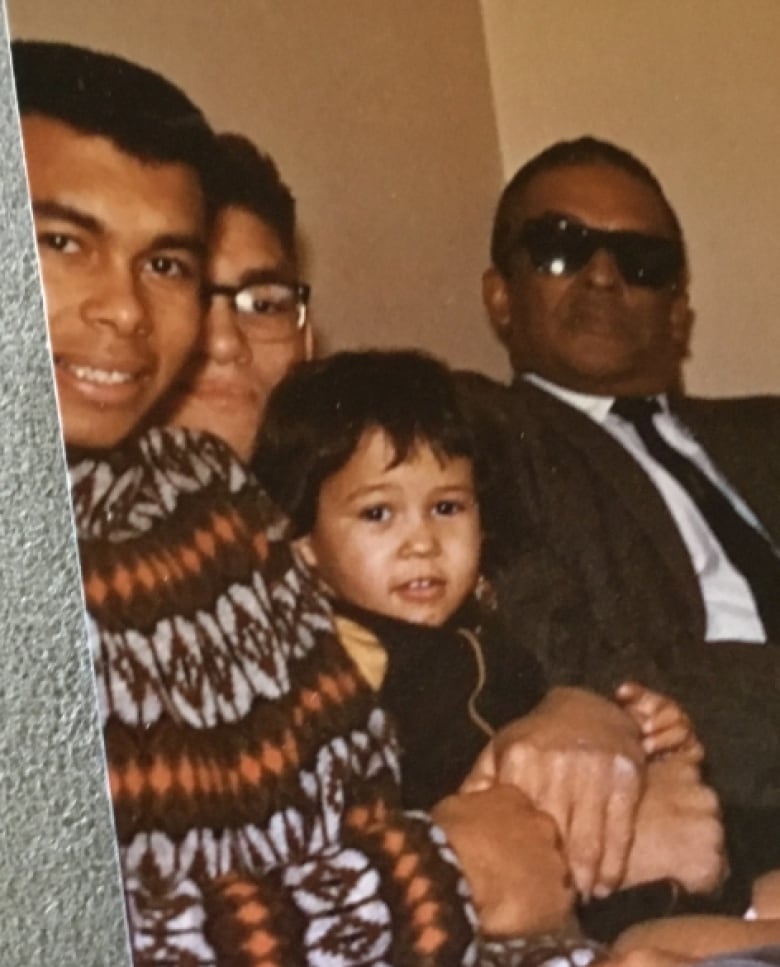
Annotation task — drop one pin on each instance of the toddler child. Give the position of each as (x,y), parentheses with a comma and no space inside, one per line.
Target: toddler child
(370,456)
(372,459)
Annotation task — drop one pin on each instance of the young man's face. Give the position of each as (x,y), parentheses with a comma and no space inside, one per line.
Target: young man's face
(225,388)
(121,246)
(590,330)
(402,541)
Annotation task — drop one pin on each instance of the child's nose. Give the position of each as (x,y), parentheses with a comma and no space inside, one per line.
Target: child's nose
(422,539)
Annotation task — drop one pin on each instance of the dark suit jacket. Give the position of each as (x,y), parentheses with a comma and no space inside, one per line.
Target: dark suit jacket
(593,576)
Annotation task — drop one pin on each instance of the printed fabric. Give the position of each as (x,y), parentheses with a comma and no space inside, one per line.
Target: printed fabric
(254,780)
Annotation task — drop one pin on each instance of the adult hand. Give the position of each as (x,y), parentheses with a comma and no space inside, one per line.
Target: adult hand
(766,896)
(679,832)
(510,855)
(648,957)
(579,758)
(693,937)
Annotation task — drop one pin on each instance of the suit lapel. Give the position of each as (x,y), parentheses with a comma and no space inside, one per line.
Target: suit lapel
(744,447)
(622,478)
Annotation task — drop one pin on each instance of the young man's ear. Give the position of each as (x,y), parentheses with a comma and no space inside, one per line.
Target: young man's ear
(495,295)
(308,341)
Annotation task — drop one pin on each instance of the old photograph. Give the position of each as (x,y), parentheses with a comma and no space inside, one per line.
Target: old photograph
(417,385)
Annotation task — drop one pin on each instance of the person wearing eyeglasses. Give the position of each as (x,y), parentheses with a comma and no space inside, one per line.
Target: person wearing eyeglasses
(256,325)
(636,529)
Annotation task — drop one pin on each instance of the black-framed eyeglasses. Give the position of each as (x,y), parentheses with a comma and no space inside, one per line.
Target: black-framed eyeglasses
(267,309)
(559,246)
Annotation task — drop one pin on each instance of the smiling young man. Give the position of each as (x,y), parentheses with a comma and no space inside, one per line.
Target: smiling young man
(639,527)
(254,780)
(121,243)
(256,325)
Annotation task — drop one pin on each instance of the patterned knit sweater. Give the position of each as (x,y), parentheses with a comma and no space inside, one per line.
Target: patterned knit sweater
(254,780)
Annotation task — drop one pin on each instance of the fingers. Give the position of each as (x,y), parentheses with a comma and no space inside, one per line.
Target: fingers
(509,854)
(586,834)
(644,700)
(678,830)
(664,725)
(649,957)
(692,751)
(555,797)
(591,795)
(673,734)
(522,765)
(667,739)
(619,824)
(602,825)
(483,773)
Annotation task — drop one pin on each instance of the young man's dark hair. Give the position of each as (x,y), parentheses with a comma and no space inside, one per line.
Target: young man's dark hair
(318,414)
(244,177)
(586,150)
(137,109)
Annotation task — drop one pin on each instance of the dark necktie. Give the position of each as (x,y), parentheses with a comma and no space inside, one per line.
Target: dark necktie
(745,546)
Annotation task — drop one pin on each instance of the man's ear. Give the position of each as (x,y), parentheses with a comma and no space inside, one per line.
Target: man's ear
(495,295)
(681,318)
(308,341)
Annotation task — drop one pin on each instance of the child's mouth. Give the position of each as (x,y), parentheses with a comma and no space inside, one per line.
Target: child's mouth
(421,589)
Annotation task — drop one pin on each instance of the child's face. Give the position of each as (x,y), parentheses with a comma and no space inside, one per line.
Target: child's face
(403,541)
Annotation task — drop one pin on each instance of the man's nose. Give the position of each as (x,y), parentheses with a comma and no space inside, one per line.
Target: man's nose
(602,270)
(116,299)
(223,339)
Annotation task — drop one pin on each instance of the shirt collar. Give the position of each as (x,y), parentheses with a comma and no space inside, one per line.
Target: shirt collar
(596,407)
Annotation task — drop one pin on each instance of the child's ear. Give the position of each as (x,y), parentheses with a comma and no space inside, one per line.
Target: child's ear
(304,546)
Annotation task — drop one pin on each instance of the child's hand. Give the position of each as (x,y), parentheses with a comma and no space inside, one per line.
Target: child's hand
(664,725)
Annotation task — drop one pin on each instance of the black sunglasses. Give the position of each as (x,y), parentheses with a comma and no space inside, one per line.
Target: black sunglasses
(558,246)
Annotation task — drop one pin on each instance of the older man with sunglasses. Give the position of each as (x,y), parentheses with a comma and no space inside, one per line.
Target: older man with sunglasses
(634,531)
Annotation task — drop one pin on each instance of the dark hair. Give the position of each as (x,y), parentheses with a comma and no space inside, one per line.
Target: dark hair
(243,176)
(586,150)
(317,415)
(137,109)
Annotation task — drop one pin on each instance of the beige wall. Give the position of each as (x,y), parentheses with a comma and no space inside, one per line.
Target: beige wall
(380,116)
(693,87)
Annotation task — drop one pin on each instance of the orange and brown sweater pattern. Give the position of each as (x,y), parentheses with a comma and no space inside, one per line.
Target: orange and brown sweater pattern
(253,778)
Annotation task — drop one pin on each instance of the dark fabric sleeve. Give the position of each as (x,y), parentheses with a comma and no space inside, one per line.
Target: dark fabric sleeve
(426,690)
(515,681)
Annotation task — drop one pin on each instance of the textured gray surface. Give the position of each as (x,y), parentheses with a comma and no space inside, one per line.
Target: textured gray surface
(60,901)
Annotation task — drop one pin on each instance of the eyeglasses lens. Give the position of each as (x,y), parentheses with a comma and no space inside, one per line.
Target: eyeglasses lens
(271,309)
(267,298)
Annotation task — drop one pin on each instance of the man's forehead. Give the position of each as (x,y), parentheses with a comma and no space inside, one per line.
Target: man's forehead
(599,194)
(243,245)
(88,172)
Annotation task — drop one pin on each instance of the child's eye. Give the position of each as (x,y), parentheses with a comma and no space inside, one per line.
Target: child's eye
(448,508)
(376,513)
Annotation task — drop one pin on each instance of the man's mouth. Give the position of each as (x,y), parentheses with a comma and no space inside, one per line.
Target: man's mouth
(601,315)
(215,391)
(106,377)
(110,385)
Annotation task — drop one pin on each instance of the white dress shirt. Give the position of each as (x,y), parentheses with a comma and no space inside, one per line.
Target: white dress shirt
(729,605)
